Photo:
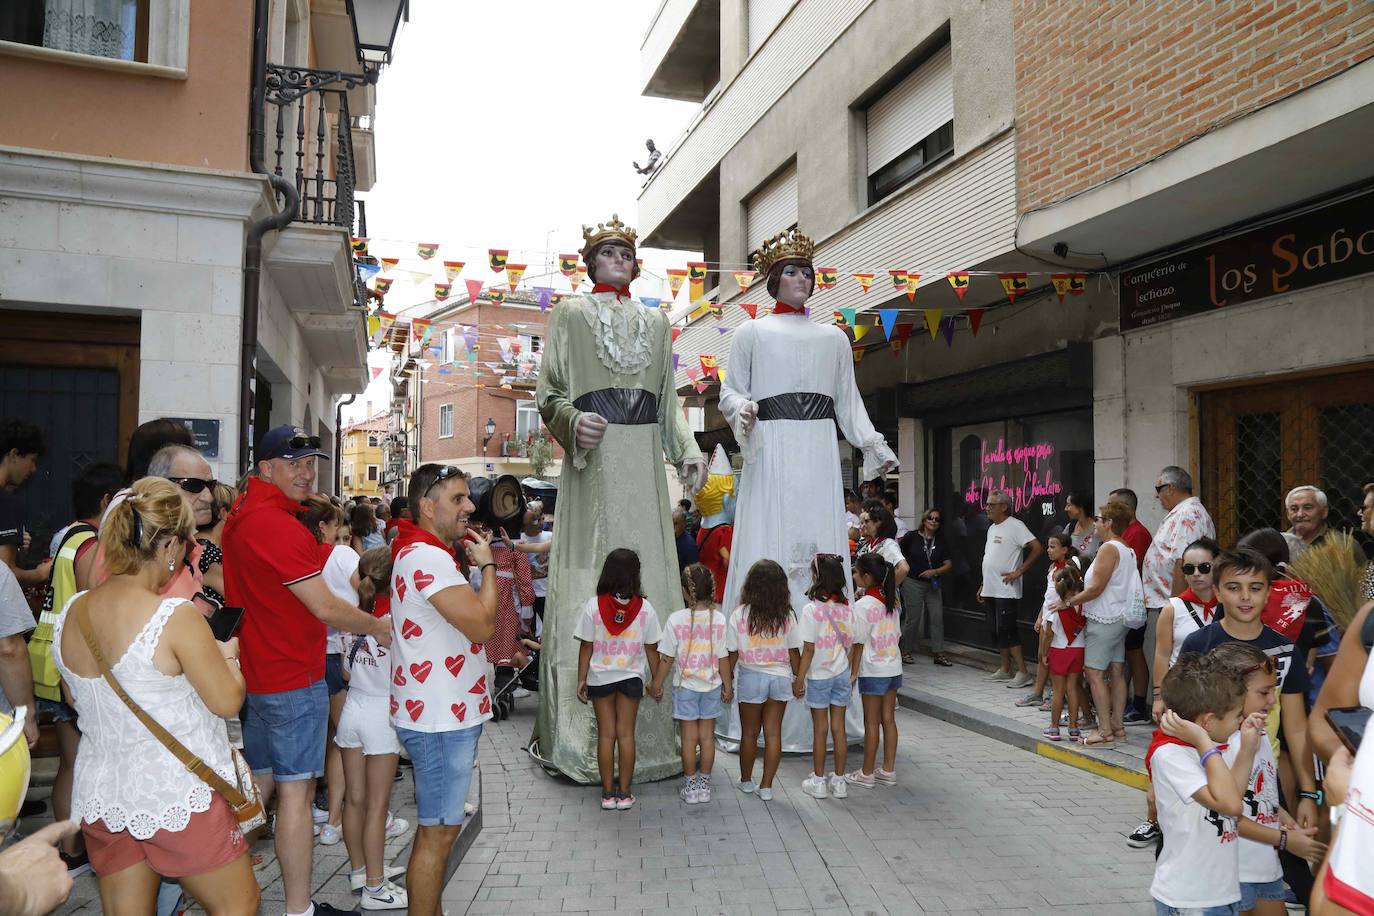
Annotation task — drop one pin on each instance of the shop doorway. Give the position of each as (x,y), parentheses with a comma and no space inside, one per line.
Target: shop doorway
(1259,441)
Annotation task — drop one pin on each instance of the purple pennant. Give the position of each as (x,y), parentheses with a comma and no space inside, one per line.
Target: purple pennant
(676,360)
(545,292)
(807,310)
(947,328)
(469,336)
(722,330)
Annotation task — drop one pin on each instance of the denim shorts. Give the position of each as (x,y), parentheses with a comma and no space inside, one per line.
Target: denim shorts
(333,673)
(753,686)
(283,733)
(879,686)
(443,772)
(54,711)
(1229,909)
(1251,891)
(694,705)
(831,691)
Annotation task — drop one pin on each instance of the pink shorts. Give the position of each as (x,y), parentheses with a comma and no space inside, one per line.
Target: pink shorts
(211,840)
(1064,662)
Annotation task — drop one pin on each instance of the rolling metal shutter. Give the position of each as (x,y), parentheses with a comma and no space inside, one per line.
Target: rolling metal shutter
(911,110)
(772,208)
(763,16)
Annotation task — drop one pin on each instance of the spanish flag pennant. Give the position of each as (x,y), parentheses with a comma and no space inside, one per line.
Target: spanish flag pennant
(958,279)
(382,285)
(696,279)
(947,328)
(913,279)
(442,290)
(709,364)
(889,319)
(420,329)
(865,280)
(744,279)
(858,355)
(860,330)
(1061,285)
(359,245)
(827,277)
(904,331)
(427,250)
(933,321)
(579,275)
(452,269)
(497,296)
(498,257)
(750,309)
(975,318)
(474,289)
(567,263)
(677,332)
(1015,284)
(1077,284)
(675,278)
(898,280)
(513,274)
(389,262)
(847,316)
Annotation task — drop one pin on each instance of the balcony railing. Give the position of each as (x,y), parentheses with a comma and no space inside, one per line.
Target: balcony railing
(321,167)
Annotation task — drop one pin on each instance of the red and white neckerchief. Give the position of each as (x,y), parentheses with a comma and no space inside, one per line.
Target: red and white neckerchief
(608,288)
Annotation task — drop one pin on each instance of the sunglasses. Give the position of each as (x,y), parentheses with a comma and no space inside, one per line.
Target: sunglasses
(1160,487)
(193,484)
(445,473)
(1189,568)
(296,443)
(933,518)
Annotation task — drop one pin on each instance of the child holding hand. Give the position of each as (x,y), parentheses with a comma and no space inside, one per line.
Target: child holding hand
(823,678)
(695,638)
(1065,625)
(877,663)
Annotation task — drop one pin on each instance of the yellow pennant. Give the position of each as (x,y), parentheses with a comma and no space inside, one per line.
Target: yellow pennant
(359,245)
(513,274)
(743,278)
(1015,284)
(696,278)
(567,263)
(497,296)
(452,269)
(933,321)
(1061,284)
(389,263)
(675,280)
(442,291)
(860,330)
(913,279)
(826,277)
(958,280)
(865,280)
(579,274)
(497,258)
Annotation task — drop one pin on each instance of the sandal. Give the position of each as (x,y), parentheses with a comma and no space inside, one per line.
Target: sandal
(1075,736)
(1052,733)
(1119,734)
(1097,739)
(942,660)
(908,658)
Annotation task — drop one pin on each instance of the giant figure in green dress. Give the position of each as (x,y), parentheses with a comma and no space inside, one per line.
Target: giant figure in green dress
(607,393)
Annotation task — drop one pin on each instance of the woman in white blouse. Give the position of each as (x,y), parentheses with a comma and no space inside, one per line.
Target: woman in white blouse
(143,813)
(879,530)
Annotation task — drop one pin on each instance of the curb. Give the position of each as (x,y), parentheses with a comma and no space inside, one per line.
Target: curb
(1120,768)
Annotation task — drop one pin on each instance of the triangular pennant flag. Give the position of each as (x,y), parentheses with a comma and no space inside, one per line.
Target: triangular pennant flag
(417,276)
(947,328)
(427,250)
(958,279)
(848,316)
(470,336)
(696,278)
(419,330)
(858,355)
(860,330)
(675,279)
(898,280)
(374,325)
(452,269)
(1077,284)
(368,271)
(717,311)
(708,363)
(442,290)
(744,279)
(701,386)
(474,289)
(513,274)
(556,298)
(720,376)
(545,294)
(827,277)
(472,355)
(1061,285)
(933,321)
(693,373)
(677,360)
(359,245)
(567,263)
(904,331)
(497,296)
(750,309)
(865,280)
(382,285)
(389,263)
(913,279)
(650,302)
(722,330)
(1015,284)
(975,318)
(677,332)
(889,320)
(497,257)
(579,275)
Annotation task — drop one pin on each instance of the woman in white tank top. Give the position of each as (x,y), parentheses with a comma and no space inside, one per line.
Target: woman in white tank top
(1185,614)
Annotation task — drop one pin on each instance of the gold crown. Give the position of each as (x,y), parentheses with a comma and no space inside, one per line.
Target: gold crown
(614,231)
(785,245)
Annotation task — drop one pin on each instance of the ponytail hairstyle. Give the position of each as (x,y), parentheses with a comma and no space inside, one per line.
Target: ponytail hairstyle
(1068,581)
(1066,541)
(140,520)
(827,578)
(768,597)
(318,510)
(698,585)
(879,570)
(374,576)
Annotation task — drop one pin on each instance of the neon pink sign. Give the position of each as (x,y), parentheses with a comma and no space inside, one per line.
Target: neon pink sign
(1036,475)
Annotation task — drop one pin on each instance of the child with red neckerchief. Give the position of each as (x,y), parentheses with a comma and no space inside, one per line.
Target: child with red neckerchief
(1059,548)
(1065,656)
(876,661)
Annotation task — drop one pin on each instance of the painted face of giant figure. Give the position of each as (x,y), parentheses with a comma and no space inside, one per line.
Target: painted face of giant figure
(613,263)
(792,283)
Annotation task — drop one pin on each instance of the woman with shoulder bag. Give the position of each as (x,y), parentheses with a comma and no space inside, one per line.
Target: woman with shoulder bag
(151,684)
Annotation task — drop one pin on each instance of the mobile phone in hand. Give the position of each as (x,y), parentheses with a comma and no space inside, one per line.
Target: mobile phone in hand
(224,623)
(1349,723)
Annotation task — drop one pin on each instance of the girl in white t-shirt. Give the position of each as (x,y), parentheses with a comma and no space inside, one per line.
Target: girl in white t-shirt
(823,677)
(1064,654)
(694,637)
(619,632)
(368,743)
(764,644)
(876,661)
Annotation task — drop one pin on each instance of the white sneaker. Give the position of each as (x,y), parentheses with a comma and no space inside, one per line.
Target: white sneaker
(814,786)
(765,794)
(703,788)
(395,826)
(390,897)
(998,675)
(1022,679)
(746,786)
(318,816)
(329,834)
(357,880)
(519,693)
(688,792)
(837,786)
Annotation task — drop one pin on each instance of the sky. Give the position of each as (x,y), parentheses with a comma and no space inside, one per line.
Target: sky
(485,138)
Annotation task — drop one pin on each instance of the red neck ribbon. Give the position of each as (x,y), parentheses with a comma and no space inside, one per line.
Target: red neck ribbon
(407,533)
(616,616)
(608,288)
(1207,606)
(782,308)
(1158,739)
(876,592)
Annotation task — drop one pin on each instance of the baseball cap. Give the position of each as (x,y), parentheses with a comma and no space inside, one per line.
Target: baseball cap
(288,442)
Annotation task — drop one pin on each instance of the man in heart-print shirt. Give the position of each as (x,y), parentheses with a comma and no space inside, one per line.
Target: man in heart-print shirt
(439,691)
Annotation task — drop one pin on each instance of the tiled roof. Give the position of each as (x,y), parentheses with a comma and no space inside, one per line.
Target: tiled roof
(377,424)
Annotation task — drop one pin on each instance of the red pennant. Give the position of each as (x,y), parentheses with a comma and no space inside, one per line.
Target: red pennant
(677,332)
(750,309)
(474,289)
(975,318)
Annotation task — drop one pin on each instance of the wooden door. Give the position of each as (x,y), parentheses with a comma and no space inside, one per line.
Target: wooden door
(1261,440)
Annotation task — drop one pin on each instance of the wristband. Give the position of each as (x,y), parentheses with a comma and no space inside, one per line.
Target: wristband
(1203,761)
(484,566)
(1283,839)
(1318,796)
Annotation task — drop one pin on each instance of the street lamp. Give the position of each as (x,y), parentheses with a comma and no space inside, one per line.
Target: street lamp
(375,23)
(491,431)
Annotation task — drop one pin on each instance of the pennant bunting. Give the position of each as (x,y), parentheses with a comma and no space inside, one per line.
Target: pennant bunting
(720,376)
(744,279)
(1015,284)
(452,269)
(417,276)
(958,279)
(579,275)
(947,328)
(696,278)
(693,373)
(497,257)
(650,302)
(419,330)
(545,294)
(865,280)
(1077,284)
(860,330)
(474,289)
(513,274)
(442,291)
(567,263)
(677,360)
(913,279)
(556,298)
(858,355)
(374,325)
(389,263)
(898,280)
(359,245)
(701,387)
(847,316)
(675,278)
(497,296)
(717,311)
(827,277)
(470,336)
(427,250)
(677,332)
(889,319)
(897,345)
(750,309)
(368,271)
(382,285)
(708,363)
(933,321)
(722,331)
(975,319)
(904,331)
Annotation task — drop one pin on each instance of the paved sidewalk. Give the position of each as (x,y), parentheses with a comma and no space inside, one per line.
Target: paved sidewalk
(975,826)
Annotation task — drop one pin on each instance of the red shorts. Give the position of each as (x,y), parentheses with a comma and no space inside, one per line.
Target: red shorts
(1064,662)
(211,840)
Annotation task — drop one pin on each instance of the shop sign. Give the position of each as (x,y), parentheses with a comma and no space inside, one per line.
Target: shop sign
(1324,245)
(204,432)
(1029,468)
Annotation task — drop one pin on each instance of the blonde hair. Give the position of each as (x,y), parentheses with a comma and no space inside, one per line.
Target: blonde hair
(224,497)
(140,520)
(1118,516)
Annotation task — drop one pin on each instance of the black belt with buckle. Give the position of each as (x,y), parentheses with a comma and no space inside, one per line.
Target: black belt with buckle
(622,406)
(797,405)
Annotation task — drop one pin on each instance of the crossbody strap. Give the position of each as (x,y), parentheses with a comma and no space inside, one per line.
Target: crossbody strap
(1196,619)
(189,760)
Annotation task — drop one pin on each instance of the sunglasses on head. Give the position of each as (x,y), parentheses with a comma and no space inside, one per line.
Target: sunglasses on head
(193,484)
(296,443)
(445,473)
(1189,568)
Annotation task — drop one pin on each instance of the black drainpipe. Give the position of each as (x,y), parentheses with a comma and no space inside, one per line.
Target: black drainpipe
(338,441)
(252,249)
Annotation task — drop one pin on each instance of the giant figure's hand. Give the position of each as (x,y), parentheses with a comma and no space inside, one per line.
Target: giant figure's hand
(748,415)
(590,427)
(694,473)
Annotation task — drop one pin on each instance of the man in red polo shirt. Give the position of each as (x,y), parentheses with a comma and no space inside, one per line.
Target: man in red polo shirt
(272,570)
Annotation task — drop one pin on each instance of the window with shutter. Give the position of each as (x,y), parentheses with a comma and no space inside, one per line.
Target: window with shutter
(911,126)
(772,208)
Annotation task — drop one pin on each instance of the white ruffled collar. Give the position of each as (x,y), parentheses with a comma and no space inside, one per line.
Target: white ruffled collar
(623,331)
